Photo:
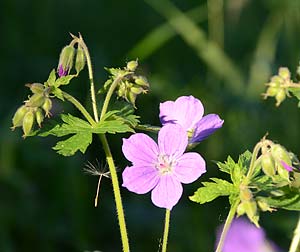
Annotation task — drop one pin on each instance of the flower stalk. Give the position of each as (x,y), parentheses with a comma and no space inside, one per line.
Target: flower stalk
(166,230)
(296,238)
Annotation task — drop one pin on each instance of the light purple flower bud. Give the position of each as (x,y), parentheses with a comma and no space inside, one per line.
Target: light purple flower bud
(286,166)
(188,111)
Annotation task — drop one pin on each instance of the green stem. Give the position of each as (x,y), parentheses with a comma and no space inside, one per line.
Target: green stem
(79,106)
(296,238)
(109,94)
(113,173)
(252,162)
(227,225)
(90,70)
(166,231)
(117,194)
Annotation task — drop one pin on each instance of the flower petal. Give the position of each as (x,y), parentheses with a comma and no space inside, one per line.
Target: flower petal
(140,179)
(140,149)
(167,192)
(206,126)
(190,167)
(186,111)
(172,140)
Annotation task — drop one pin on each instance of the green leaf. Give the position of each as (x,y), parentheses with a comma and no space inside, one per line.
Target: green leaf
(289,201)
(295,91)
(51,79)
(64,80)
(69,147)
(58,93)
(212,190)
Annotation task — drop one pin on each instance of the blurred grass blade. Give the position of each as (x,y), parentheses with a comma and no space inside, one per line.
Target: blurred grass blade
(215,15)
(209,52)
(260,70)
(162,34)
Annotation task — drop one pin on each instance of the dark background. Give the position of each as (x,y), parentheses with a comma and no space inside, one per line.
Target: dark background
(47,200)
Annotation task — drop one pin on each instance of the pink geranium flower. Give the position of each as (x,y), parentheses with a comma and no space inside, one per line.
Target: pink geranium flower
(188,111)
(161,167)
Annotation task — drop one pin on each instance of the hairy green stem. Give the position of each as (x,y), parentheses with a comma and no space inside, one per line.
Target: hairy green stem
(252,162)
(117,194)
(227,224)
(166,231)
(79,106)
(109,94)
(295,244)
(91,77)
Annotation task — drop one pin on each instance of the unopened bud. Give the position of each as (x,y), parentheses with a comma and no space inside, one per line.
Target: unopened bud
(18,117)
(136,90)
(279,153)
(251,211)
(283,173)
(80,59)
(142,81)
(264,206)
(66,59)
(245,194)
(272,91)
(47,106)
(39,117)
(241,209)
(28,122)
(267,164)
(132,65)
(280,96)
(276,81)
(284,73)
(36,100)
(36,88)
(131,97)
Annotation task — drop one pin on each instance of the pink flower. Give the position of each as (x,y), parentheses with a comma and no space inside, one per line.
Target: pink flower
(161,167)
(188,111)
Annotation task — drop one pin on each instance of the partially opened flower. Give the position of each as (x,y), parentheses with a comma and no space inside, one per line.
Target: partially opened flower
(161,167)
(188,111)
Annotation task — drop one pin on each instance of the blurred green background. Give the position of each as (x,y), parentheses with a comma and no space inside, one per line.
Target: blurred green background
(221,51)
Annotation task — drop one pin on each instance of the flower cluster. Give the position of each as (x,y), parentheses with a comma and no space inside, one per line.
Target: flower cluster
(164,166)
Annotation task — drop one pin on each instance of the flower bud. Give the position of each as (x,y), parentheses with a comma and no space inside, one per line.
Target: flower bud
(267,164)
(36,88)
(276,81)
(245,194)
(131,97)
(280,96)
(142,81)
(284,73)
(279,153)
(18,117)
(241,209)
(132,65)
(251,211)
(66,59)
(283,173)
(36,100)
(272,91)
(28,122)
(264,206)
(39,117)
(47,106)
(80,59)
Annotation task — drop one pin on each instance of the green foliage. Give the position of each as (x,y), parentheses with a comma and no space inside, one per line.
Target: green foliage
(212,190)
(112,123)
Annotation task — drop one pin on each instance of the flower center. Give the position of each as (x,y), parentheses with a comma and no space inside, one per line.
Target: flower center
(165,164)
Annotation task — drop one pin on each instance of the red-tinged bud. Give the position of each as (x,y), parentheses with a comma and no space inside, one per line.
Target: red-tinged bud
(18,117)
(39,117)
(47,106)
(80,59)
(28,122)
(66,59)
